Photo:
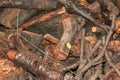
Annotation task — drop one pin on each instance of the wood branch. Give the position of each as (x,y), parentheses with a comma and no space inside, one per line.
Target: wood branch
(74,24)
(42,18)
(29,61)
(33,63)
(29,4)
(9,20)
(90,63)
(51,39)
(79,9)
(81,50)
(61,57)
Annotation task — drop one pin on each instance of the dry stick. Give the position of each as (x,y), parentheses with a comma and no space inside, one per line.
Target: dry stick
(82,61)
(79,9)
(45,17)
(85,61)
(81,51)
(98,71)
(82,45)
(33,63)
(94,48)
(73,66)
(107,40)
(111,64)
(90,63)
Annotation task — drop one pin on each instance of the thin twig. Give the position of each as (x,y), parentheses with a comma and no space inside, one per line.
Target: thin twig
(101,54)
(72,66)
(82,45)
(94,48)
(107,40)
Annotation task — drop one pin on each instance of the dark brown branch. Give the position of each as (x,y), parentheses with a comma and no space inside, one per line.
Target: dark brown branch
(79,9)
(33,62)
(72,66)
(29,4)
(45,17)
(101,53)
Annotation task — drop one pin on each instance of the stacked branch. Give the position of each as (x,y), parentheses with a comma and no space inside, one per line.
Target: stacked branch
(84,44)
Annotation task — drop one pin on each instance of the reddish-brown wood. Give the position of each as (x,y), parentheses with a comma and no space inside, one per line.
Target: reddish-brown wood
(9,72)
(73,25)
(43,18)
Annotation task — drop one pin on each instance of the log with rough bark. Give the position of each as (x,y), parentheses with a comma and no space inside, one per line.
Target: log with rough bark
(73,25)
(34,63)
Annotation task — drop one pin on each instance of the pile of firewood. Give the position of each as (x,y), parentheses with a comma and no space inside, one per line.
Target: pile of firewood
(59,39)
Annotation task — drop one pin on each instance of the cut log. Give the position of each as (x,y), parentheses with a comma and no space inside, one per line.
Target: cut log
(51,39)
(73,24)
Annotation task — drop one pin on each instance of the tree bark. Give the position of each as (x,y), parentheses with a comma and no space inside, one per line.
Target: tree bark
(73,24)
(29,4)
